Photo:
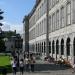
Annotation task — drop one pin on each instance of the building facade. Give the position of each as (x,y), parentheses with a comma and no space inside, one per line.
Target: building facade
(60,19)
(14,43)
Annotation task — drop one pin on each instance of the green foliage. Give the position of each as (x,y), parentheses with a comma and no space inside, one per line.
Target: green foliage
(9,34)
(2,46)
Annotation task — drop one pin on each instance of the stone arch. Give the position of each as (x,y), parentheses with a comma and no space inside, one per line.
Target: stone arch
(40,47)
(62,46)
(57,47)
(53,48)
(49,46)
(74,47)
(36,48)
(68,47)
(44,47)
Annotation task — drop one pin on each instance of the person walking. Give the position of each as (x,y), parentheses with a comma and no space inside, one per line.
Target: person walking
(73,68)
(21,64)
(27,64)
(32,64)
(14,66)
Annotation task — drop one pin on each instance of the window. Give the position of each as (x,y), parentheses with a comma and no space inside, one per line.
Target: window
(53,47)
(62,17)
(49,4)
(68,13)
(57,1)
(50,24)
(53,22)
(53,2)
(57,19)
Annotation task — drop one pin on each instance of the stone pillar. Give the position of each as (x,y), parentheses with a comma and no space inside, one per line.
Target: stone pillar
(59,49)
(72,53)
(51,49)
(65,53)
(55,50)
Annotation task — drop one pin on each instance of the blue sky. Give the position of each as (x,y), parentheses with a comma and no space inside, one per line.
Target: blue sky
(14,11)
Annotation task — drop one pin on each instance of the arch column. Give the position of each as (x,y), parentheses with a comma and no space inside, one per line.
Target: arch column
(55,50)
(59,49)
(72,52)
(51,49)
(65,52)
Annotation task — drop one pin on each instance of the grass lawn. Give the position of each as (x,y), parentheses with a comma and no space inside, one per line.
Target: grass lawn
(5,63)
(4,60)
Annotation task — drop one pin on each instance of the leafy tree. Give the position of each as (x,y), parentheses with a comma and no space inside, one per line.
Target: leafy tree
(2,46)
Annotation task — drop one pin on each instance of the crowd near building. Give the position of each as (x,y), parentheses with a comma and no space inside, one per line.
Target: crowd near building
(51,29)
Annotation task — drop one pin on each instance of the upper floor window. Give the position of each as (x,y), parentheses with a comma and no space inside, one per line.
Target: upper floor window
(57,1)
(53,22)
(68,13)
(53,2)
(57,19)
(62,17)
(49,23)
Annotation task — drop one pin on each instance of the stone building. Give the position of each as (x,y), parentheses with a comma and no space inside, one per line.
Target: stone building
(55,18)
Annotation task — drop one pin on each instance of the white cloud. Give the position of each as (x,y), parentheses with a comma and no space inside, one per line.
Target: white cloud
(17,27)
(8,26)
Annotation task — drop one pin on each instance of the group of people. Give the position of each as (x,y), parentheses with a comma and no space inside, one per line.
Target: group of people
(26,64)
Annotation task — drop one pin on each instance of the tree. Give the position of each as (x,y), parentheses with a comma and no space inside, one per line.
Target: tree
(2,43)
(2,46)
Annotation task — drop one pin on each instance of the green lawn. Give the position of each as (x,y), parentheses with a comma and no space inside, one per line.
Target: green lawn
(5,63)
(4,60)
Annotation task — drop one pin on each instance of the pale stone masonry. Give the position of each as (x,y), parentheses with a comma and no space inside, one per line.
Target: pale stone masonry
(61,29)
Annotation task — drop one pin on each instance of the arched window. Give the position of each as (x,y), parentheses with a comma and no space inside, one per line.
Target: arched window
(40,47)
(74,46)
(44,47)
(53,50)
(49,47)
(57,47)
(62,47)
(68,46)
(36,48)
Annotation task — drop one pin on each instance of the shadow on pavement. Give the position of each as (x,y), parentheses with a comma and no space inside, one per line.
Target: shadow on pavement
(46,67)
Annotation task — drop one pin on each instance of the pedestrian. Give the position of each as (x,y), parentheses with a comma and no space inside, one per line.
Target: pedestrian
(21,64)
(27,63)
(32,63)
(14,66)
(73,68)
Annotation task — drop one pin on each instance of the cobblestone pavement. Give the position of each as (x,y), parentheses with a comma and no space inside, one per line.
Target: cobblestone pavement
(59,72)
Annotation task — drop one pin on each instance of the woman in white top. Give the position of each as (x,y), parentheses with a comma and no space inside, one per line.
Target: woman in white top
(21,66)
(13,64)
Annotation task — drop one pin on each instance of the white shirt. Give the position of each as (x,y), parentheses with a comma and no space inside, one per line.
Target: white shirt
(26,61)
(13,64)
(21,64)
